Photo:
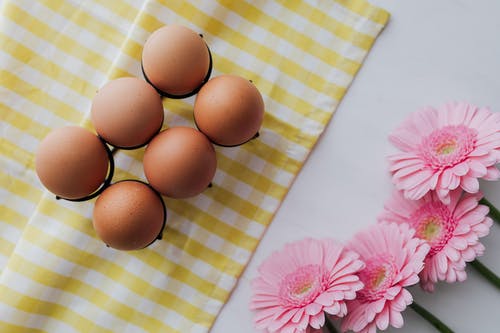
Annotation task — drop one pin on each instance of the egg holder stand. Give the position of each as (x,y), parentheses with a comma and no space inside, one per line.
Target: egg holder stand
(110,152)
(107,182)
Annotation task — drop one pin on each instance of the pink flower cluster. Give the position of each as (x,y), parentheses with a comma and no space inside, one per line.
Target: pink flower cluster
(364,281)
(443,153)
(429,229)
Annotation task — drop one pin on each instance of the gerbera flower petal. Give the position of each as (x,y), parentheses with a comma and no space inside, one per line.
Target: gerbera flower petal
(317,320)
(287,329)
(390,252)
(392,292)
(477,169)
(382,319)
(402,300)
(281,320)
(467,204)
(420,189)
(492,173)
(476,216)
(460,169)
(404,161)
(443,195)
(347,280)
(454,183)
(478,249)
(483,229)
(304,322)
(441,262)
(299,283)
(461,275)
(297,317)
(346,266)
(452,253)
(492,138)
(481,118)
(325,299)
(334,309)
(452,230)
(444,148)
(313,309)
(458,243)
(396,319)
(404,172)
(446,178)
(468,254)
(411,280)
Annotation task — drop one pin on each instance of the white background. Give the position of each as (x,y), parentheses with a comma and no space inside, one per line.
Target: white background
(431,52)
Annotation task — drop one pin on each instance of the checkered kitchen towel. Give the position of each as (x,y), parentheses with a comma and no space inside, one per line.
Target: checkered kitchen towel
(56,276)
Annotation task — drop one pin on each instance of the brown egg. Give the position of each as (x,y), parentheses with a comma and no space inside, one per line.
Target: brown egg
(128,215)
(175,60)
(229,110)
(127,112)
(180,162)
(71,162)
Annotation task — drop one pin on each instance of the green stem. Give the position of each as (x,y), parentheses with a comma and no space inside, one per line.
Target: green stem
(441,327)
(494,212)
(486,273)
(329,325)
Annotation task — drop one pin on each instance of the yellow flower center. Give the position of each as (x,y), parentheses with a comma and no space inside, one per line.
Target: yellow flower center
(430,228)
(302,286)
(378,277)
(447,147)
(435,223)
(302,289)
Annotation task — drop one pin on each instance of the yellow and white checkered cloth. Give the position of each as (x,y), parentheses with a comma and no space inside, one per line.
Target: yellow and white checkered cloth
(56,276)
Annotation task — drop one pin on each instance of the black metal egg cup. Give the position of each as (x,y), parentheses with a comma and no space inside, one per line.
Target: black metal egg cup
(106,182)
(220,144)
(160,234)
(138,146)
(189,94)
(110,152)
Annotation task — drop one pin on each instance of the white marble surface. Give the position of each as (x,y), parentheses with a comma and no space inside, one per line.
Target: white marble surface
(431,52)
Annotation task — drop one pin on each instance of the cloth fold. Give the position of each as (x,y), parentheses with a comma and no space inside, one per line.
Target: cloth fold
(56,275)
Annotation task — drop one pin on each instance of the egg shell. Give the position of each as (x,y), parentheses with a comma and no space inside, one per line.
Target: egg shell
(71,162)
(128,215)
(180,162)
(127,112)
(229,110)
(175,59)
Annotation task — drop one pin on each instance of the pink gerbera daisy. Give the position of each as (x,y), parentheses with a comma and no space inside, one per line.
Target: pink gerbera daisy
(446,148)
(452,230)
(393,258)
(302,281)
